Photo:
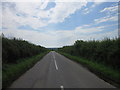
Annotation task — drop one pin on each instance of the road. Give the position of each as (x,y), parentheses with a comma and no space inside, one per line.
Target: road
(57,71)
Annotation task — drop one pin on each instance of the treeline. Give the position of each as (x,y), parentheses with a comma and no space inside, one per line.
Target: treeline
(14,49)
(106,51)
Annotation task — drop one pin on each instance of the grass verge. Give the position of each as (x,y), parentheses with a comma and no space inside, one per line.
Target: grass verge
(11,72)
(107,73)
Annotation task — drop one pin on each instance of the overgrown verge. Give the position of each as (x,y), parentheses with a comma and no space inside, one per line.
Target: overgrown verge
(105,51)
(105,72)
(14,49)
(12,71)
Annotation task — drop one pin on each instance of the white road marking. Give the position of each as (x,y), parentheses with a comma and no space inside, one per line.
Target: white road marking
(56,65)
(62,88)
(55,62)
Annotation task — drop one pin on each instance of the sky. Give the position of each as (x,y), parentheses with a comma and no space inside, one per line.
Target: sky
(56,24)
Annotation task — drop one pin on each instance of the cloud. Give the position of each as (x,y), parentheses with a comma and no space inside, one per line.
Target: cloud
(111,15)
(0,16)
(34,15)
(88,10)
(61,0)
(110,9)
(64,10)
(16,14)
(98,36)
(92,28)
(61,37)
(39,38)
(106,19)
(84,30)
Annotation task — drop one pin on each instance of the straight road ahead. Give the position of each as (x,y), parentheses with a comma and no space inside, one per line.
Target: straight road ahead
(57,71)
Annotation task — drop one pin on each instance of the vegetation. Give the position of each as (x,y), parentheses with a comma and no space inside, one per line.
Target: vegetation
(106,51)
(13,71)
(107,73)
(14,49)
(17,57)
(102,57)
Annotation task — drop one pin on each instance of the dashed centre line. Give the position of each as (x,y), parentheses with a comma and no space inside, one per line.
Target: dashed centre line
(62,88)
(55,62)
(56,65)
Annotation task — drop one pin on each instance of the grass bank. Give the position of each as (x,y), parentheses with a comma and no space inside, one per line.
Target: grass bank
(107,73)
(11,72)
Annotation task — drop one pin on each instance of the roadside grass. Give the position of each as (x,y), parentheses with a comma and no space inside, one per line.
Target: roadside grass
(11,72)
(107,73)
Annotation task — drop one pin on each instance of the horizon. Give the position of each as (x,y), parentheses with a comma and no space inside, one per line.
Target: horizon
(2,35)
(57,24)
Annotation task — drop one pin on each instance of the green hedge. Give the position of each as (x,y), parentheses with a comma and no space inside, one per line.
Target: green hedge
(14,49)
(107,73)
(106,51)
(12,71)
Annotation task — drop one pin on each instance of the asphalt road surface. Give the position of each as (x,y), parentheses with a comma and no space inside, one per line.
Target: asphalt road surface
(57,71)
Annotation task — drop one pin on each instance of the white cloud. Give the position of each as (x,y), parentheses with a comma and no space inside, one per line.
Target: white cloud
(0,16)
(111,15)
(83,30)
(106,19)
(33,14)
(89,28)
(110,9)
(88,10)
(61,0)
(98,36)
(96,4)
(61,37)
(17,14)
(35,37)
(64,10)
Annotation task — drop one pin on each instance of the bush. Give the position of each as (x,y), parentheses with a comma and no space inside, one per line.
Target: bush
(106,51)
(14,49)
